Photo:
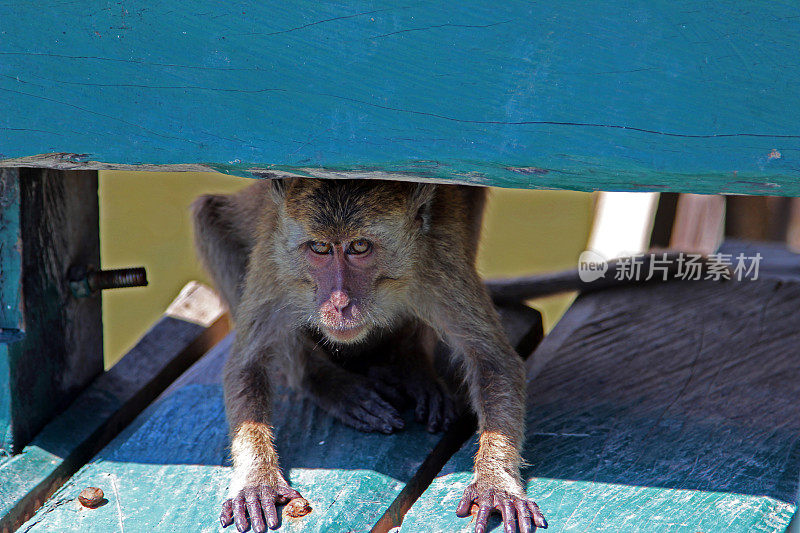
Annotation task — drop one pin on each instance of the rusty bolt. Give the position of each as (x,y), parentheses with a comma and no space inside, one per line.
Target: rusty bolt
(84,281)
(91,497)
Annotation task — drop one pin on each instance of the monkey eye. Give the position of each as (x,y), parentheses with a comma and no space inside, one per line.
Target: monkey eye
(359,246)
(319,247)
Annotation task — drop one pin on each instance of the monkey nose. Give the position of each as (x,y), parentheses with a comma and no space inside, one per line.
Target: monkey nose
(339,300)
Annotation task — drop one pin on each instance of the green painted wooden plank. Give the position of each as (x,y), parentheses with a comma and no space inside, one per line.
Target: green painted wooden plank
(668,408)
(170,468)
(11,313)
(672,95)
(109,403)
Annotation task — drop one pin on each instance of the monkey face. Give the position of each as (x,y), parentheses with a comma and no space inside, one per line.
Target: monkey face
(354,245)
(341,273)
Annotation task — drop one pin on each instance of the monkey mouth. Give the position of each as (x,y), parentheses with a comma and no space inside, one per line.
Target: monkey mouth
(345,334)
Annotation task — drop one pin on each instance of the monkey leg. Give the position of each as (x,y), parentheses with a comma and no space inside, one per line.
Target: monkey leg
(356,400)
(257,485)
(221,243)
(409,369)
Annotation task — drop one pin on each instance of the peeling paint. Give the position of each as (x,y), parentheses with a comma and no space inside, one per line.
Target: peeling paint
(528,170)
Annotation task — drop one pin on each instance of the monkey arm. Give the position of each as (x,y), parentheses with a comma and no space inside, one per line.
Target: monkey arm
(257,485)
(495,377)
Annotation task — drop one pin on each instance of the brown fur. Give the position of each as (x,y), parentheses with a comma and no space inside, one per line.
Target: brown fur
(423,285)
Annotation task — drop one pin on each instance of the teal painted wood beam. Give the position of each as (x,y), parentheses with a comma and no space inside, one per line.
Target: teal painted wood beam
(651,95)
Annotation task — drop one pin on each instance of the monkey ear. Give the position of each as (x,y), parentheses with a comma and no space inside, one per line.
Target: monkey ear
(422,203)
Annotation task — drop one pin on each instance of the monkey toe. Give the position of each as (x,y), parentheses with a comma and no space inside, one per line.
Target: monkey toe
(373,417)
(389,386)
(435,409)
(226,516)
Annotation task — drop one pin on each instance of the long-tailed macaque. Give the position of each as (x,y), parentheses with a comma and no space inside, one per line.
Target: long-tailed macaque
(320,273)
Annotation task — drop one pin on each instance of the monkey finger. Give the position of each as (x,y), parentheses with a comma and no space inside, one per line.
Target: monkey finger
(354,422)
(371,421)
(421,412)
(482,518)
(538,517)
(465,504)
(240,514)
(509,517)
(268,504)
(254,510)
(352,419)
(523,516)
(378,407)
(448,413)
(226,516)
(435,413)
(374,400)
(286,494)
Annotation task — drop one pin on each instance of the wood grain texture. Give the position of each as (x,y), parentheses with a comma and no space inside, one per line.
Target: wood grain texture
(650,95)
(101,411)
(51,224)
(668,407)
(12,322)
(169,470)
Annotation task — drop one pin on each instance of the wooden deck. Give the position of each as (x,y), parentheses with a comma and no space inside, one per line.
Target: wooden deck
(169,469)
(664,407)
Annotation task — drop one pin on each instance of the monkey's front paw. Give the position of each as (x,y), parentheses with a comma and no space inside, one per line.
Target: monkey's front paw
(514,509)
(253,504)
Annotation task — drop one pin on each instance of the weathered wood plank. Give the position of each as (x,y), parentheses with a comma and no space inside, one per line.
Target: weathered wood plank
(169,470)
(617,96)
(51,344)
(664,407)
(193,324)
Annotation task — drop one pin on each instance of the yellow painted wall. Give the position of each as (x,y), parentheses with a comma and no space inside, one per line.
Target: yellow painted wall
(144,220)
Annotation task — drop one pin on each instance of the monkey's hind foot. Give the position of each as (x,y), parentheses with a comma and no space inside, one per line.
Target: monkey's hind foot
(361,403)
(515,510)
(432,403)
(253,504)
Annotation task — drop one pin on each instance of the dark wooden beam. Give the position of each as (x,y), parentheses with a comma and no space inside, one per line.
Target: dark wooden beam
(51,344)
